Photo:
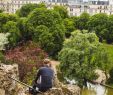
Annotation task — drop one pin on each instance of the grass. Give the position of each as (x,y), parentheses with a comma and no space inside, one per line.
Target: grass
(109,48)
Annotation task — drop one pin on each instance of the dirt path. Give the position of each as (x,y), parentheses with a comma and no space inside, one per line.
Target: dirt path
(54,64)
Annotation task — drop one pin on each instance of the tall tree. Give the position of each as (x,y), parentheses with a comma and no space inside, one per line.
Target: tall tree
(42,16)
(25,10)
(3,20)
(82,21)
(80,56)
(62,10)
(98,23)
(109,33)
(13,17)
(69,25)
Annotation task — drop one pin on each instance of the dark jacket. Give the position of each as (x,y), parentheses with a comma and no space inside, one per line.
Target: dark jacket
(46,74)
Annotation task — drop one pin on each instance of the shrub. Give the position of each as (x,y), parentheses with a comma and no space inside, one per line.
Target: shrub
(28,55)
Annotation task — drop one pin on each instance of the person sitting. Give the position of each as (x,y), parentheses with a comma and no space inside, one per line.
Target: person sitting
(44,78)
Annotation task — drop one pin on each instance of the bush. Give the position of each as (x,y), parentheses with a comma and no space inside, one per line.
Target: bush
(28,56)
(1,57)
(11,27)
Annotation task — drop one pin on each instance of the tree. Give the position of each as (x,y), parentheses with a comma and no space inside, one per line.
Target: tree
(58,32)
(42,16)
(44,38)
(49,19)
(1,10)
(82,21)
(50,41)
(109,32)
(80,56)
(27,8)
(3,40)
(104,61)
(13,17)
(11,27)
(62,10)
(98,23)
(3,20)
(69,25)
(25,29)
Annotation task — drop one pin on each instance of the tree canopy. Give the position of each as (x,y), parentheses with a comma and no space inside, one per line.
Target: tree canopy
(25,10)
(80,56)
(98,23)
(62,10)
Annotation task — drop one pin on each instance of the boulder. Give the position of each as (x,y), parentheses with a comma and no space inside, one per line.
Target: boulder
(11,87)
(7,85)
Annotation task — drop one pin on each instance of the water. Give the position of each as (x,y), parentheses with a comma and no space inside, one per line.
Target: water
(96,90)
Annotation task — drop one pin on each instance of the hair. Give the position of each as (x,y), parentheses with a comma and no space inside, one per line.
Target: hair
(47,63)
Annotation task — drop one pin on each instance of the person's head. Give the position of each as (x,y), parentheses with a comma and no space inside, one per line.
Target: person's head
(46,63)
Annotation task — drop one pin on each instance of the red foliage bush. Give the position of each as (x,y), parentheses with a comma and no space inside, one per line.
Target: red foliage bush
(27,56)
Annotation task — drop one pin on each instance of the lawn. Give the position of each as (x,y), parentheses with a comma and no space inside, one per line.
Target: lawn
(109,48)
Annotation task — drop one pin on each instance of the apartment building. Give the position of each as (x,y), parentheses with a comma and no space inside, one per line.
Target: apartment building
(11,6)
(92,7)
(75,7)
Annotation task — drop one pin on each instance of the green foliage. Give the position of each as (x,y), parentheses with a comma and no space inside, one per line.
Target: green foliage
(98,23)
(50,41)
(53,33)
(27,8)
(11,27)
(109,48)
(82,21)
(24,29)
(108,67)
(13,17)
(1,10)
(111,76)
(28,56)
(109,33)
(69,25)
(44,38)
(30,76)
(3,20)
(1,57)
(3,40)
(80,56)
(58,32)
(42,16)
(62,10)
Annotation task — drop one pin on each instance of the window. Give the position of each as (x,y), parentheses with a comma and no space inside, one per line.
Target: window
(53,0)
(71,9)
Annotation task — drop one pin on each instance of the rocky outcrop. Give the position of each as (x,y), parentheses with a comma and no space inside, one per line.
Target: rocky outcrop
(11,87)
(7,85)
(101,76)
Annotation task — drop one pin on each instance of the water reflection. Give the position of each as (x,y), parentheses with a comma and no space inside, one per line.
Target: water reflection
(96,90)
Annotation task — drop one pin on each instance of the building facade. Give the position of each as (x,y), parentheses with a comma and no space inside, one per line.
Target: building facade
(92,7)
(75,7)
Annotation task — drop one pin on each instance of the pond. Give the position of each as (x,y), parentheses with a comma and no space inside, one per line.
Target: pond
(96,90)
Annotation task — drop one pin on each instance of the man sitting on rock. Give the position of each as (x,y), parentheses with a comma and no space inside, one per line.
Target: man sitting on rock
(44,78)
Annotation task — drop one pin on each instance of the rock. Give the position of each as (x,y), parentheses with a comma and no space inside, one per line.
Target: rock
(11,87)
(101,76)
(2,92)
(8,85)
(61,89)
